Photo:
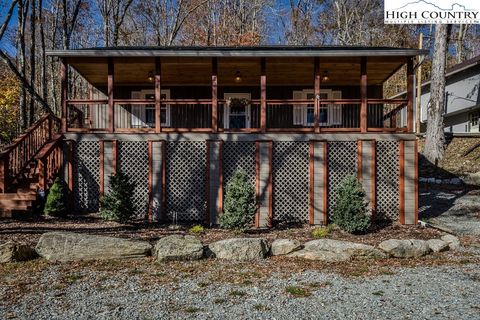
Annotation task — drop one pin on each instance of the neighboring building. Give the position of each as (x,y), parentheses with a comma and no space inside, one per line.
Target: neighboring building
(180,120)
(462,98)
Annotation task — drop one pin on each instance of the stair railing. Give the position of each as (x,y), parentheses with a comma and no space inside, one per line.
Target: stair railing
(49,161)
(15,157)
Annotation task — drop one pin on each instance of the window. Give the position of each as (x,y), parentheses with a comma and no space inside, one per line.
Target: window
(305,115)
(473,119)
(143,116)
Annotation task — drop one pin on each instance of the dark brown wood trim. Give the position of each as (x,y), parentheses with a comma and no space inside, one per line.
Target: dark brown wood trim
(150,181)
(163,216)
(220,178)
(416,181)
(70,172)
(316,77)
(374,178)
(158,94)
(207,189)
(359,160)
(270,184)
(325,183)
(311,186)
(64,93)
(114,157)
(214,94)
(257,183)
(363,95)
(102,168)
(263,95)
(111,104)
(402,182)
(410,94)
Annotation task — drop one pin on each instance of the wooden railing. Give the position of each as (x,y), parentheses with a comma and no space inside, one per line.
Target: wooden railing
(49,162)
(15,157)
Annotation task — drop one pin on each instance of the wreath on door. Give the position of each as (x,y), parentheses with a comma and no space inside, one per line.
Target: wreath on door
(237,102)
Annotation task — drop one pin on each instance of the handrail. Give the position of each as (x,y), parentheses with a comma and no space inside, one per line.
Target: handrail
(15,157)
(49,161)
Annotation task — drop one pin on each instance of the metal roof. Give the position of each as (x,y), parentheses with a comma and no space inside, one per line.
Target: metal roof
(259,51)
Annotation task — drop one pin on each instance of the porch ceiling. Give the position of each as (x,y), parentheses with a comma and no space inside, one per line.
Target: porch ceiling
(197,71)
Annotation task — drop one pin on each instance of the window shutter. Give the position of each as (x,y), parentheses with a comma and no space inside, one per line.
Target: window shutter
(335,110)
(138,112)
(299,111)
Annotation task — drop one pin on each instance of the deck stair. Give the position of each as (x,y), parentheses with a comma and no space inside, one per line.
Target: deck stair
(28,165)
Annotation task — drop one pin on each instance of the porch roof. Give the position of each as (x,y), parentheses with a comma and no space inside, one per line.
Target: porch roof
(243,51)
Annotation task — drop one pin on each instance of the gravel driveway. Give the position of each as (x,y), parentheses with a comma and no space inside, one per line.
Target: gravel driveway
(418,293)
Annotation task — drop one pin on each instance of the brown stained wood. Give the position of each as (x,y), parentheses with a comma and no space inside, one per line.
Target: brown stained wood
(257,183)
(410,94)
(163,216)
(114,156)
(359,160)
(311,167)
(263,96)
(270,184)
(70,172)
(402,182)
(363,94)
(416,180)
(220,180)
(158,96)
(316,90)
(111,111)
(214,95)
(207,189)
(102,168)
(64,93)
(325,182)
(150,181)
(373,169)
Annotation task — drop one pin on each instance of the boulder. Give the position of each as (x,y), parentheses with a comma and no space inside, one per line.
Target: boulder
(405,248)
(178,248)
(68,246)
(321,255)
(358,250)
(239,249)
(284,246)
(13,252)
(437,245)
(453,242)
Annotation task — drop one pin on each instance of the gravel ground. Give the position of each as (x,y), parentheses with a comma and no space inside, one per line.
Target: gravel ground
(407,293)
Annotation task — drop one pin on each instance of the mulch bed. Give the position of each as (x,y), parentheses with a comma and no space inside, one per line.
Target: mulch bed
(29,231)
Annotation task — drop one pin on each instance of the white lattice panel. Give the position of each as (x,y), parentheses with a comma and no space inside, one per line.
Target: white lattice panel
(86,176)
(186,180)
(238,155)
(290,181)
(387,186)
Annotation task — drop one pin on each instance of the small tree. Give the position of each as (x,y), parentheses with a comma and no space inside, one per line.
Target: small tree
(350,209)
(55,204)
(118,204)
(239,206)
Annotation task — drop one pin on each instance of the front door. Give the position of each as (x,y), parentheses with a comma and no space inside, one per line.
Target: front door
(235,117)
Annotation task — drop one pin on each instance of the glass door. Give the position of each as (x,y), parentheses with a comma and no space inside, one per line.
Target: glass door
(237,117)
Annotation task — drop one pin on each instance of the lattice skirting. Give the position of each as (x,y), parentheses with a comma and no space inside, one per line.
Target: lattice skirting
(238,155)
(133,161)
(290,175)
(342,161)
(86,176)
(186,165)
(387,186)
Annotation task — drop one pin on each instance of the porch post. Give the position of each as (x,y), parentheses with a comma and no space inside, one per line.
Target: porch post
(363,94)
(316,111)
(158,95)
(111,111)
(263,96)
(214,95)
(64,92)
(410,94)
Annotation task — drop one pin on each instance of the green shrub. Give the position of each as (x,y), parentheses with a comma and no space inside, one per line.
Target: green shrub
(196,229)
(350,209)
(117,204)
(320,232)
(239,205)
(56,201)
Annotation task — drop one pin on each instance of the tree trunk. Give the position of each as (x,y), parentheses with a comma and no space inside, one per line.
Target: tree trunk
(31,117)
(435,136)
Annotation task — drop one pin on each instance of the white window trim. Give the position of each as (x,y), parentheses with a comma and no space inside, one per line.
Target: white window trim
(226,112)
(305,93)
(143,93)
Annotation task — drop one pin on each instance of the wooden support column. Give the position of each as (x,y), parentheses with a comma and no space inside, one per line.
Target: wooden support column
(214,95)
(215,181)
(111,110)
(108,163)
(410,94)
(366,170)
(263,95)
(401,183)
(408,182)
(64,93)
(156,186)
(363,94)
(318,183)
(264,215)
(316,90)
(158,95)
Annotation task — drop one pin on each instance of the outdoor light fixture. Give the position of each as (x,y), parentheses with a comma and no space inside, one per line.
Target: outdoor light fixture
(238,76)
(325,77)
(150,76)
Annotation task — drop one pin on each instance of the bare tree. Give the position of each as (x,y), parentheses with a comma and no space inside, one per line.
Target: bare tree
(113,14)
(435,136)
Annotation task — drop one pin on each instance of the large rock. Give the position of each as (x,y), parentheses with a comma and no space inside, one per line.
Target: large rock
(179,248)
(358,250)
(284,246)
(437,245)
(68,246)
(453,242)
(13,252)
(321,255)
(405,248)
(239,249)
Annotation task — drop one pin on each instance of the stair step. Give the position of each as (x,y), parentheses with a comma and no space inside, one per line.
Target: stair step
(18,204)
(30,196)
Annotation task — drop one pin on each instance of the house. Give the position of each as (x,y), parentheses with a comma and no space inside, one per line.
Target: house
(180,120)
(462,98)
